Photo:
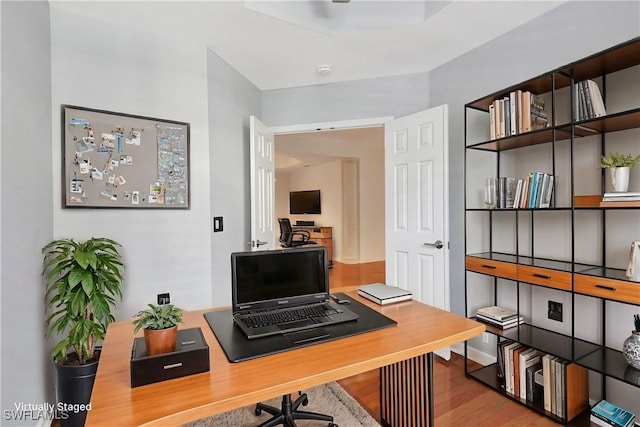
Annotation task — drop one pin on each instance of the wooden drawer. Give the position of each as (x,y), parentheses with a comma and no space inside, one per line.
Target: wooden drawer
(601,287)
(491,267)
(320,233)
(545,277)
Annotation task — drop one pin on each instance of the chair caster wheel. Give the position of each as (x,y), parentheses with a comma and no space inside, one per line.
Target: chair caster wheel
(333,425)
(305,402)
(258,412)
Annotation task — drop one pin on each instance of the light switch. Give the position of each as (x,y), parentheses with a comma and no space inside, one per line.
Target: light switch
(217,224)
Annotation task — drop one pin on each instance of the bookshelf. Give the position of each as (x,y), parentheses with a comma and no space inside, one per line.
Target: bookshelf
(573,251)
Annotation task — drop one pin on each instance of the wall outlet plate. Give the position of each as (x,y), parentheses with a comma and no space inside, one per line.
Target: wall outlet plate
(555,311)
(164,298)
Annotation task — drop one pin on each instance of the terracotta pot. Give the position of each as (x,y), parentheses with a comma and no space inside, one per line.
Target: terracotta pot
(160,341)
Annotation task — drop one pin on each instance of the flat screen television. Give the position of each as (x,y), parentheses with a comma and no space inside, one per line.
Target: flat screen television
(304,202)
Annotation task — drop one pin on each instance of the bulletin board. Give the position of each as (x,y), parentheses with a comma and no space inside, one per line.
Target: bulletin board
(116,160)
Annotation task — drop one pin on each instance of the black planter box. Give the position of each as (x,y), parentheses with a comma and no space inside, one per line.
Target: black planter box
(190,357)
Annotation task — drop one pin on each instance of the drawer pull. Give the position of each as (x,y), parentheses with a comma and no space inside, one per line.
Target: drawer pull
(542,276)
(609,288)
(492,267)
(175,365)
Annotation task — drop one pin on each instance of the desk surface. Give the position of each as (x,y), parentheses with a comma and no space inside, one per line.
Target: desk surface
(421,329)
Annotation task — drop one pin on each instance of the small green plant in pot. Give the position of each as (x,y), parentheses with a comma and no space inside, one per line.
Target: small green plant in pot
(160,325)
(618,165)
(83,282)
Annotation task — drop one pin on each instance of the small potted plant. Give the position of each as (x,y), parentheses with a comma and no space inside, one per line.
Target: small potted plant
(160,325)
(631,346)
(83,282)
(618,165)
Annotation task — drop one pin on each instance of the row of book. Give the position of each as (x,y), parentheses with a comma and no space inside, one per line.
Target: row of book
(607,414)
(499,317)
(520,112)
(534,191)
(588,102)
(533,376)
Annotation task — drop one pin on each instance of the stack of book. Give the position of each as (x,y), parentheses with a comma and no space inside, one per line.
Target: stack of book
(499,317)
(621,197)
(607,414)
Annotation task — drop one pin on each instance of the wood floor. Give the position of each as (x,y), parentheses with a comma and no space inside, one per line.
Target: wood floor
(459,401)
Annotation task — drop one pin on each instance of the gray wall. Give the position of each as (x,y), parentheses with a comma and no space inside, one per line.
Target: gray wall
(26,223)
(387,96)
(232,99)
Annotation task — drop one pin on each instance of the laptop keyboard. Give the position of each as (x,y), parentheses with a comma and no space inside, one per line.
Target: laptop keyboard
(280,317)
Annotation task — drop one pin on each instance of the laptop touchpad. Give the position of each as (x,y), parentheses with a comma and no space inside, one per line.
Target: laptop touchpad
(306,336)
(296,324)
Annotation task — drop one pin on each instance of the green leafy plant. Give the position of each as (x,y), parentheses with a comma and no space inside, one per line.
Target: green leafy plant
(617,160)
(83,281)
(158,317)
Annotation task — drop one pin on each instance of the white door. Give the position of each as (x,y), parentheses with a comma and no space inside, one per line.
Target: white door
(262,186)
(416,206)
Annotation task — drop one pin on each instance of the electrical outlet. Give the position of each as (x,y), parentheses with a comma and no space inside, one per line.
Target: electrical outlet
(555,311)
(164,298)
(485,338)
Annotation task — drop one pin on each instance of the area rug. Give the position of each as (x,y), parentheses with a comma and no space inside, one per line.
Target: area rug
(328,399)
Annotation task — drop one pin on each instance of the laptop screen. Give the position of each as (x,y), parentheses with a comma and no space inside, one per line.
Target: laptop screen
(279,278)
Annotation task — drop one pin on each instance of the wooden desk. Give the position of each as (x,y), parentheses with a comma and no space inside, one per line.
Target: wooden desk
(323,236)
(421,329)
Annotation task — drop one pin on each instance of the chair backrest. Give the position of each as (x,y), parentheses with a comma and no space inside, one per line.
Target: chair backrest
(285,231)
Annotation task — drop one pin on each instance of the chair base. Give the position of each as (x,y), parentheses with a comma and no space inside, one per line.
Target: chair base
(288,413)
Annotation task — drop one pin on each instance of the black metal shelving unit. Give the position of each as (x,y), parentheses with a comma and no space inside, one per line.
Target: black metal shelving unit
(594,356)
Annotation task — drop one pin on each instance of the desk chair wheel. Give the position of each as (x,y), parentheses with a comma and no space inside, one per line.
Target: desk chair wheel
(333,425)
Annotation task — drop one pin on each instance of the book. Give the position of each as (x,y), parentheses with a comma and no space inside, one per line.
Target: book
(516,368)
(611,415)
(512,323)
(497,313)
(508,366)
(527,359)
(533,388)
(546,374)
(384,294)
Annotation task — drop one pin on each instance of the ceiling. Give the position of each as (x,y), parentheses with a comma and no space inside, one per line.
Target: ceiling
(280,44)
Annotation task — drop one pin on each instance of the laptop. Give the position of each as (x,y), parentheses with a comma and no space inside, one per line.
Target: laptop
(282,291)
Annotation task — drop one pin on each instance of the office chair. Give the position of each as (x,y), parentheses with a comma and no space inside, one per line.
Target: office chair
(289,412)
(288,236)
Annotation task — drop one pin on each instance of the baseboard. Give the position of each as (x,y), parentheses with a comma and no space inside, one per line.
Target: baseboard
(476,355)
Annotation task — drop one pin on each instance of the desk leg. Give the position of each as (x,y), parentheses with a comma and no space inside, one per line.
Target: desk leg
(406,390)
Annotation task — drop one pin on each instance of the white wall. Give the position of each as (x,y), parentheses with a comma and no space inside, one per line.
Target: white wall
(26,222)
(115,68)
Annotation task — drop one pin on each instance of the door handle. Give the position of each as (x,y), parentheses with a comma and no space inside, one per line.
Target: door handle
(260,243)
(437,244)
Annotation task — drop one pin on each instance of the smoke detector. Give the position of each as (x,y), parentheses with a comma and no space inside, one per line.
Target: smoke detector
(325,69)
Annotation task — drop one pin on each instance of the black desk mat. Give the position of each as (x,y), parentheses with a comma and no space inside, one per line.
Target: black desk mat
(238,348)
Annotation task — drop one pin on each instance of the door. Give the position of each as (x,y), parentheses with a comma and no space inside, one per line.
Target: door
(416,206)
(262,186)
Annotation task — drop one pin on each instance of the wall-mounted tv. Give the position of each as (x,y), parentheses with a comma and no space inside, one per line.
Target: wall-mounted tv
(304,202)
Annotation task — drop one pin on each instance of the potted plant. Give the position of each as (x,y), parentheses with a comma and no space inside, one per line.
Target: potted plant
(83,282)
(631,346)
(160,324)
(618,165)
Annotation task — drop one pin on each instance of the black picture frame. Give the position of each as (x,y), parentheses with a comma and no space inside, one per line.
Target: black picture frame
(119,160)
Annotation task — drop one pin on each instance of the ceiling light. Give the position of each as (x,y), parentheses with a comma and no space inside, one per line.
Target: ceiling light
(325,69)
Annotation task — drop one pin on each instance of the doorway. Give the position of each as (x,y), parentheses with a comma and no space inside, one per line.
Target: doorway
(346,165)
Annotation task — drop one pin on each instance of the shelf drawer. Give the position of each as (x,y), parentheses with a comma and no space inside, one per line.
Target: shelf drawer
(608,288)
(545,277)
(493,268)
